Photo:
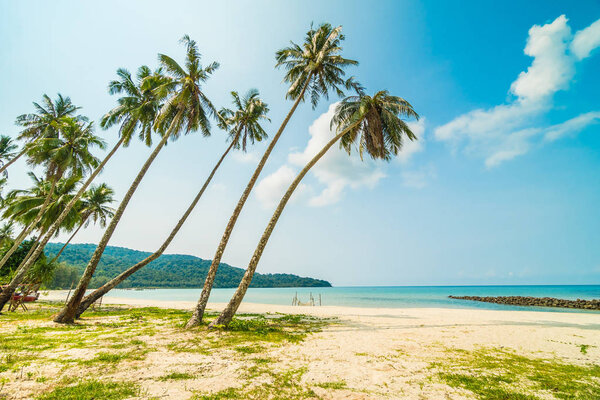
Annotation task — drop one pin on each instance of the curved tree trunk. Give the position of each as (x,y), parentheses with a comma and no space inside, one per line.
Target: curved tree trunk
(21,271)
(101,291)
(28,262)
(198,314)
(67,314)
(227,314)
(15,158)
(69,240)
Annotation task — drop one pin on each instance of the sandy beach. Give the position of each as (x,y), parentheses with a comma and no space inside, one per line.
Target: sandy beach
(374,353)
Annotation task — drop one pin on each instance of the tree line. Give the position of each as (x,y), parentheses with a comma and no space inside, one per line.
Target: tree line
(169,102)
(167,271)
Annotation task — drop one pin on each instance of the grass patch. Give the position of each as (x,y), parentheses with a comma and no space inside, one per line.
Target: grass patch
(333,385)
(499,374)
(92,390)
(174,376)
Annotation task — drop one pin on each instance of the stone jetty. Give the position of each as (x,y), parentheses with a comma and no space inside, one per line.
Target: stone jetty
(535,301)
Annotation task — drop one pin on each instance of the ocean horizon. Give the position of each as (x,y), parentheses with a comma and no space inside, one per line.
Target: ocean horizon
(379,296)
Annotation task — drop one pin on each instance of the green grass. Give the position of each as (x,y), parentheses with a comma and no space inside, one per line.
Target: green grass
(174,376)
(583,348)
(92,390)
(498,374)
(333,385)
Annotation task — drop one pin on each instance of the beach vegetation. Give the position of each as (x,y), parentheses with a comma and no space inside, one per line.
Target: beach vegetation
(492,373)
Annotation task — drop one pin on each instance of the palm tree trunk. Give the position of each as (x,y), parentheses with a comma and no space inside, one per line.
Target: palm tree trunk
(28,262)
(101,291)
(21,271)
(227,314)
(31,250)
(68,241)
(67,314)
(198,314)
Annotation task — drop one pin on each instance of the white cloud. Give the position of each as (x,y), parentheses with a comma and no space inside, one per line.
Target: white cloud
(270,189)
(571,126)
(508,130)
(586,41)
(411,147)
(246,158)
(336,170)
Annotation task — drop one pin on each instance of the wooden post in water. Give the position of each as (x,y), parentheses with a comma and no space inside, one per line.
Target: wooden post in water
(319,299)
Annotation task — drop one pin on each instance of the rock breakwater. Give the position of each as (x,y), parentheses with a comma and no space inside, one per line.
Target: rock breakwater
(535,301)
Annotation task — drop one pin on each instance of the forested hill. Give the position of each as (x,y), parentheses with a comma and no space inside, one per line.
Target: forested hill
(170,270)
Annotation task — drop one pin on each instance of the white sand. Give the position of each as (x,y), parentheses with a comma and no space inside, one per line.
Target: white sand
(385,353)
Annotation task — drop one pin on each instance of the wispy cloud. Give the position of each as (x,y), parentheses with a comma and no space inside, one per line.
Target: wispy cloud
(506,131)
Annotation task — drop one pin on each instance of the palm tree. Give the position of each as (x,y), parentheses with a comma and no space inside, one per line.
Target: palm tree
(243,126)
(148,103)
(186,109)
(7,152)
(67,155)
(6,233)
(373,123)
(24,205)
(43,124)
(315,67)
(94,207)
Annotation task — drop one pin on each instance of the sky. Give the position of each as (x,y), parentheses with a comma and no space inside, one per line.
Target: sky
(502,187)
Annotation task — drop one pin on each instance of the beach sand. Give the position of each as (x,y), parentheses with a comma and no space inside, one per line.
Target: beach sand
(382,352)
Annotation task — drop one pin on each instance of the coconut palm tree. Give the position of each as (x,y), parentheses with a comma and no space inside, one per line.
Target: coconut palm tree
(44,123)
(136,112)
(68,155)
(316,68)
(7,152)
(6,233)
(243,126)
(24,205)
(186,109)
(94,208)
(373,123)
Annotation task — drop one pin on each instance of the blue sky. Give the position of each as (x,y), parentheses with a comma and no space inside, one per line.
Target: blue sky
(503,186)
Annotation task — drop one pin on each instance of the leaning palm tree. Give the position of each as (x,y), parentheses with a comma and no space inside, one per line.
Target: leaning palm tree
(376,125)
(44,123)
(186,109)
(130,113)
(7,152)
(243,126)
(94,208)
(316,68)
(67,155)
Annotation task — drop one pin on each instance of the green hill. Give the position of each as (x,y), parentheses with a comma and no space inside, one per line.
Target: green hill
(168,271)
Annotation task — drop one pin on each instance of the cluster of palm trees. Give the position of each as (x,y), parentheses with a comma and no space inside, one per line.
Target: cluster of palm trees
(59,142)
(170,101)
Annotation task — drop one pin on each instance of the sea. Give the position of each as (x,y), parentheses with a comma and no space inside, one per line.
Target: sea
(380,296)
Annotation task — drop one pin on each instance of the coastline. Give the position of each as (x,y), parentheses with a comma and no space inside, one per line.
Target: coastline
(359,352)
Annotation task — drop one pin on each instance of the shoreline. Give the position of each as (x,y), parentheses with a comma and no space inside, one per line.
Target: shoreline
(353,311)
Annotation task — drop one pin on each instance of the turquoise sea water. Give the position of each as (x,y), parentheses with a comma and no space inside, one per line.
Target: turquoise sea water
(390,297)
